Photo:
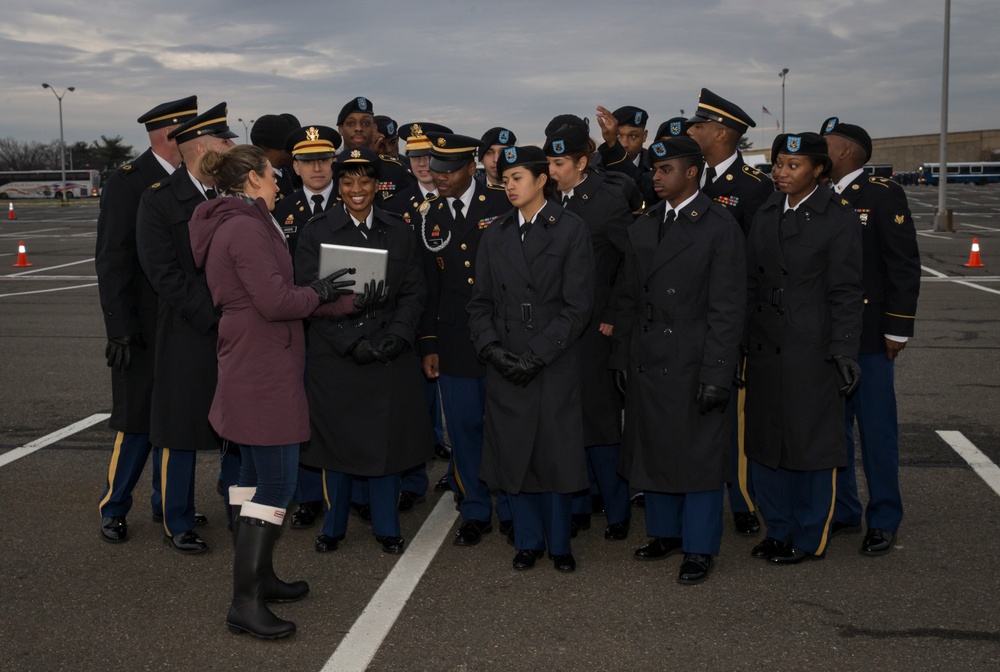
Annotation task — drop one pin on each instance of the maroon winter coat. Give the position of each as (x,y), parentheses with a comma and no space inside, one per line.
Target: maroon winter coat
(260,399)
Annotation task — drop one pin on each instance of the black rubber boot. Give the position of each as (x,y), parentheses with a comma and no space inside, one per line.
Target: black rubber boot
(251,572)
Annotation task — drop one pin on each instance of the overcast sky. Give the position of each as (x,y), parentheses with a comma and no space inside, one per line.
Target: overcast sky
(472,65)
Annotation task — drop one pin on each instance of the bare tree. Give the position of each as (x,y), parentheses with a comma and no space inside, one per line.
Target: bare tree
(28,155)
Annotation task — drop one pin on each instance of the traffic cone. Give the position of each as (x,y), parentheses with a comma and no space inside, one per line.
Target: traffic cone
(10,211)
(974,260)
(22,256)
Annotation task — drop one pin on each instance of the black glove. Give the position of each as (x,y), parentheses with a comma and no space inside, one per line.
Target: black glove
(373,295)
(711,397)
(390,347)
(330,289)
(365,352)
(741,359)
(620,379)
(525,369)
(118,351)
(850,372)
(500,358)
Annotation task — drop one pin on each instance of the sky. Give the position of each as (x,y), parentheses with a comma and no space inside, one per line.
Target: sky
(471,65)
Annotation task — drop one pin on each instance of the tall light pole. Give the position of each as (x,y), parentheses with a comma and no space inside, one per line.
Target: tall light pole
(62,142)
(783,74)
(942,218)
(246,129)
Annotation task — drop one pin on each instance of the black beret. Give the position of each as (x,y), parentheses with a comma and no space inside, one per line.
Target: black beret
(561,120)
(310,143)
(631,116)
(170,114)
(271,131)
(211,123)
(567,140)
(498,135)
(673,148)
(359,104)
(449,151)
(512,157)
(832,126)
(801,144)
(712,107)
(386,126)
(672,128)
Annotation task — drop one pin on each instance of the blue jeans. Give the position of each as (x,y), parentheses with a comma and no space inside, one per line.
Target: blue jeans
(273,470)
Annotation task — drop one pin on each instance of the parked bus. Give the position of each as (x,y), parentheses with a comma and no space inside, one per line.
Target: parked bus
(879,169)
(49,184)
(979,172)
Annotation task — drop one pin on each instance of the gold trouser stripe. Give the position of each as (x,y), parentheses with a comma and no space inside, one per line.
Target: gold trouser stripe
(113,468)
(163,487)
(326,493)
(741,458)
(458,479)
(829,517)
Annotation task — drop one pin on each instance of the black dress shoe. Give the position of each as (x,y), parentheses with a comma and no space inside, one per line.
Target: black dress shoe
(200,519)
(364,511)
(790,555)
(407,499)
(564,563)
(114,530)
(325,543)
(838,528)
(878,542)
(526,559)
(581,521)
(658,548)
(746,522)
(442,485)
(188,542)
(766,549)
(597,504)
(441,453)
(393,545)
(638,499)
(695,568)
(305,516)
(471,531)
(617,531)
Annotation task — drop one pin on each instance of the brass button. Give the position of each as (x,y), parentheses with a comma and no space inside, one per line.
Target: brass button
(471,281)
(468,263)
(464,246)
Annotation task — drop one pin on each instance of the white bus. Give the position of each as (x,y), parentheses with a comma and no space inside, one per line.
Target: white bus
(49,184)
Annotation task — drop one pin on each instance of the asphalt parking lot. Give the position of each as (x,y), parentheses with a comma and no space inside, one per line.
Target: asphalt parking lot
(70,602)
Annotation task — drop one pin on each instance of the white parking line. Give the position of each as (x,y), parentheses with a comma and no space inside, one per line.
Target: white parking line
(939,274)
(45,291)
(49,268)
(20,234)
(365,637)
(981,464)
(49,439)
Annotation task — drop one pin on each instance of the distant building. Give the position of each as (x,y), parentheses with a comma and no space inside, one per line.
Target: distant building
(907,152)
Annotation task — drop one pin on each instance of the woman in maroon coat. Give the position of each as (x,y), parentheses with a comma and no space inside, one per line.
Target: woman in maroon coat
(260,400)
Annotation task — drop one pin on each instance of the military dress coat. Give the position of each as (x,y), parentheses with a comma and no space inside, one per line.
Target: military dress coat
(127,299)
(450,268)
(804,305)
(891,267)
(293,213)
(535,295)
(608,217)
(367,420)
(184,373)
(679,323)
(742,189)
(259,399)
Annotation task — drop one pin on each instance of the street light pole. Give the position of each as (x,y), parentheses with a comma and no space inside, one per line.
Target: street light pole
(942,218)
(782,74)
(62,141)
(246,129)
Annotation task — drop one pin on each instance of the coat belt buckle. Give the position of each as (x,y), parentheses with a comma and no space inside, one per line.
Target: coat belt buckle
(776,295)
(526,312)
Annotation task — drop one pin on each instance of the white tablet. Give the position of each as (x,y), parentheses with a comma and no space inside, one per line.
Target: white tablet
(365,263)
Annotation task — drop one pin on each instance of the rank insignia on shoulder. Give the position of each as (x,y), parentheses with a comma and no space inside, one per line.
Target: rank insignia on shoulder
(899,219)
(156,185)
(752,172)
(440,261)
(485,222)
(127,166)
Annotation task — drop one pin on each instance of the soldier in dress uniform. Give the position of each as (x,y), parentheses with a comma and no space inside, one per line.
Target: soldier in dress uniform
(387,139)
(185,367)
(717,126)
(532,299)
(679,326)
(585,193)
(407,202)
(494,141)
(269,133)
(356,123)
(129,305)
(450,232)
(891,277)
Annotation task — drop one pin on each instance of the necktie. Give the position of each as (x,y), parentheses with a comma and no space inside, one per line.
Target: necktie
(665,224)
(459,217)
(524,228)
(710,175)
(317,200)
(566,200)
(210,193)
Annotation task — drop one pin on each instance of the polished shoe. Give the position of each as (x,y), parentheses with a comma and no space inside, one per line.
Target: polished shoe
(766,549)
(407,499)
(114,530)
(526,559)
(695,568)
(597,504)
(200,519)
(471,531)
(790,555)
(581,521)
(564,563)
(189,543)
(393,545)
(364,511)
(325,543)
(441,453)
(442,485)
(746,522)
(878,542)
(658,548)
(837,528)
(617,531)
(638,499)
(305,516)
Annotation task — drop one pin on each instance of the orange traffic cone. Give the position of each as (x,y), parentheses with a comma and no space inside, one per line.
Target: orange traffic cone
(974,260)
(10,211)
(22,256)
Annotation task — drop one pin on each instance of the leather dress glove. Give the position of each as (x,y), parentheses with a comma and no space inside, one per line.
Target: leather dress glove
(850,373)
(118,351)
(330,289)
(373,295)
(741,358)
(527,367)
(390,347)
(620,377)
(711,397)
(365,352)
(499,357)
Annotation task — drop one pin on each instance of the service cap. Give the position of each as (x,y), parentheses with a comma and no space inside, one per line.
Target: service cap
(833,126)
(211,123)
(311,143)
(450,151)
(354,157)
(170,114)
(415,136)
(712,107)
